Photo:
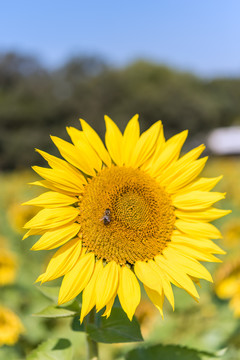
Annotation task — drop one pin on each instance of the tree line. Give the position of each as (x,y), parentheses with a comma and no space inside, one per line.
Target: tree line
(36,102)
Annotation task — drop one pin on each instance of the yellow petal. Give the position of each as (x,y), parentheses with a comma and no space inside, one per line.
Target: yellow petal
(77,278)
(114,141)
(74,156)
(199,243)
(184,176)
(156,298)
(160,144)
(52,199)
(148,275)
(190,265)
(76,135)
(169,154)
(96,143)
(52,218)
(109,306)
(178,275)
(209,214)
(196,200)
(55,238)
(178,167)
(198,229)
(199,254)
(49,185)
(80,141)
(59,164)
(63,260)
(107,284)
(33,232)
(203,184)
(40,277)
(130,138)
(145,146)
(191,155)
(89,293)
(167,287)
(61,179)
(129,292)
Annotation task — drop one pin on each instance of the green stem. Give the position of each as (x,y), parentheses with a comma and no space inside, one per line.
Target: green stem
(92,346)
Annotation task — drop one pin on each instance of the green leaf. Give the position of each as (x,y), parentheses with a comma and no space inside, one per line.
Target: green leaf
(54,311)
(51,292)
(116,329)
(76,326)
(53,349)
(169,352)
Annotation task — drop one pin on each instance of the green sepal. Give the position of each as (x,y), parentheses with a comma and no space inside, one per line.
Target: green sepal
(52,349)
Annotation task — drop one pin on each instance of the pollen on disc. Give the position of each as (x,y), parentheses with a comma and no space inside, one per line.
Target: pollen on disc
(125,216)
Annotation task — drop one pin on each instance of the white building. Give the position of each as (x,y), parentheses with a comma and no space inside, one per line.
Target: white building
(224,141)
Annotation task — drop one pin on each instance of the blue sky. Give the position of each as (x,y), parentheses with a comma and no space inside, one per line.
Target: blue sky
(199,36)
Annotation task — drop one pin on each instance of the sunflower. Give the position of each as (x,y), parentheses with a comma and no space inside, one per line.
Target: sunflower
(231,232)
(8,266)
(135,211)
(227,279)
(19,215)
(10,327)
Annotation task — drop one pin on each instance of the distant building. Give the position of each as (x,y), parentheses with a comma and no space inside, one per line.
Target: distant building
(224,141)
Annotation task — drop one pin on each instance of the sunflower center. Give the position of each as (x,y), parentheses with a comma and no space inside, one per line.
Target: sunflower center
(132,210)
(125,216)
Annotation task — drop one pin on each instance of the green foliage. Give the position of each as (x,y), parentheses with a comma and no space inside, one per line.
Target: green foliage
(168,352)
(36,102)
(52,349)
(53,311)
(208,325)
(116,329)
(76,326)
(69,309)
(51,292)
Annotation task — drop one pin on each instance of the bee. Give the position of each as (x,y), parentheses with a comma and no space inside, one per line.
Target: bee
(106,218)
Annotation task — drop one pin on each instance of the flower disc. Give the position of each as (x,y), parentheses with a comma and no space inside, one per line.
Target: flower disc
(140,221)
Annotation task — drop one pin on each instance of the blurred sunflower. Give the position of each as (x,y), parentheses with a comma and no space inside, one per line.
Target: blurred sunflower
(8,266)
(146,314)
(228,283)
(231,232)
(132,212)
(10,327)
(18,215)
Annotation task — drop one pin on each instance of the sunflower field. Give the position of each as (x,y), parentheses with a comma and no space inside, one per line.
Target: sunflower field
(33,327)
(117,250)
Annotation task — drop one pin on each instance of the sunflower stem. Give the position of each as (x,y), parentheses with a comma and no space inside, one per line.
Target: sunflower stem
(92,346)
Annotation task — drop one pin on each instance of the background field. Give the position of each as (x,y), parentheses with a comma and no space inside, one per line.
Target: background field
(209,325)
